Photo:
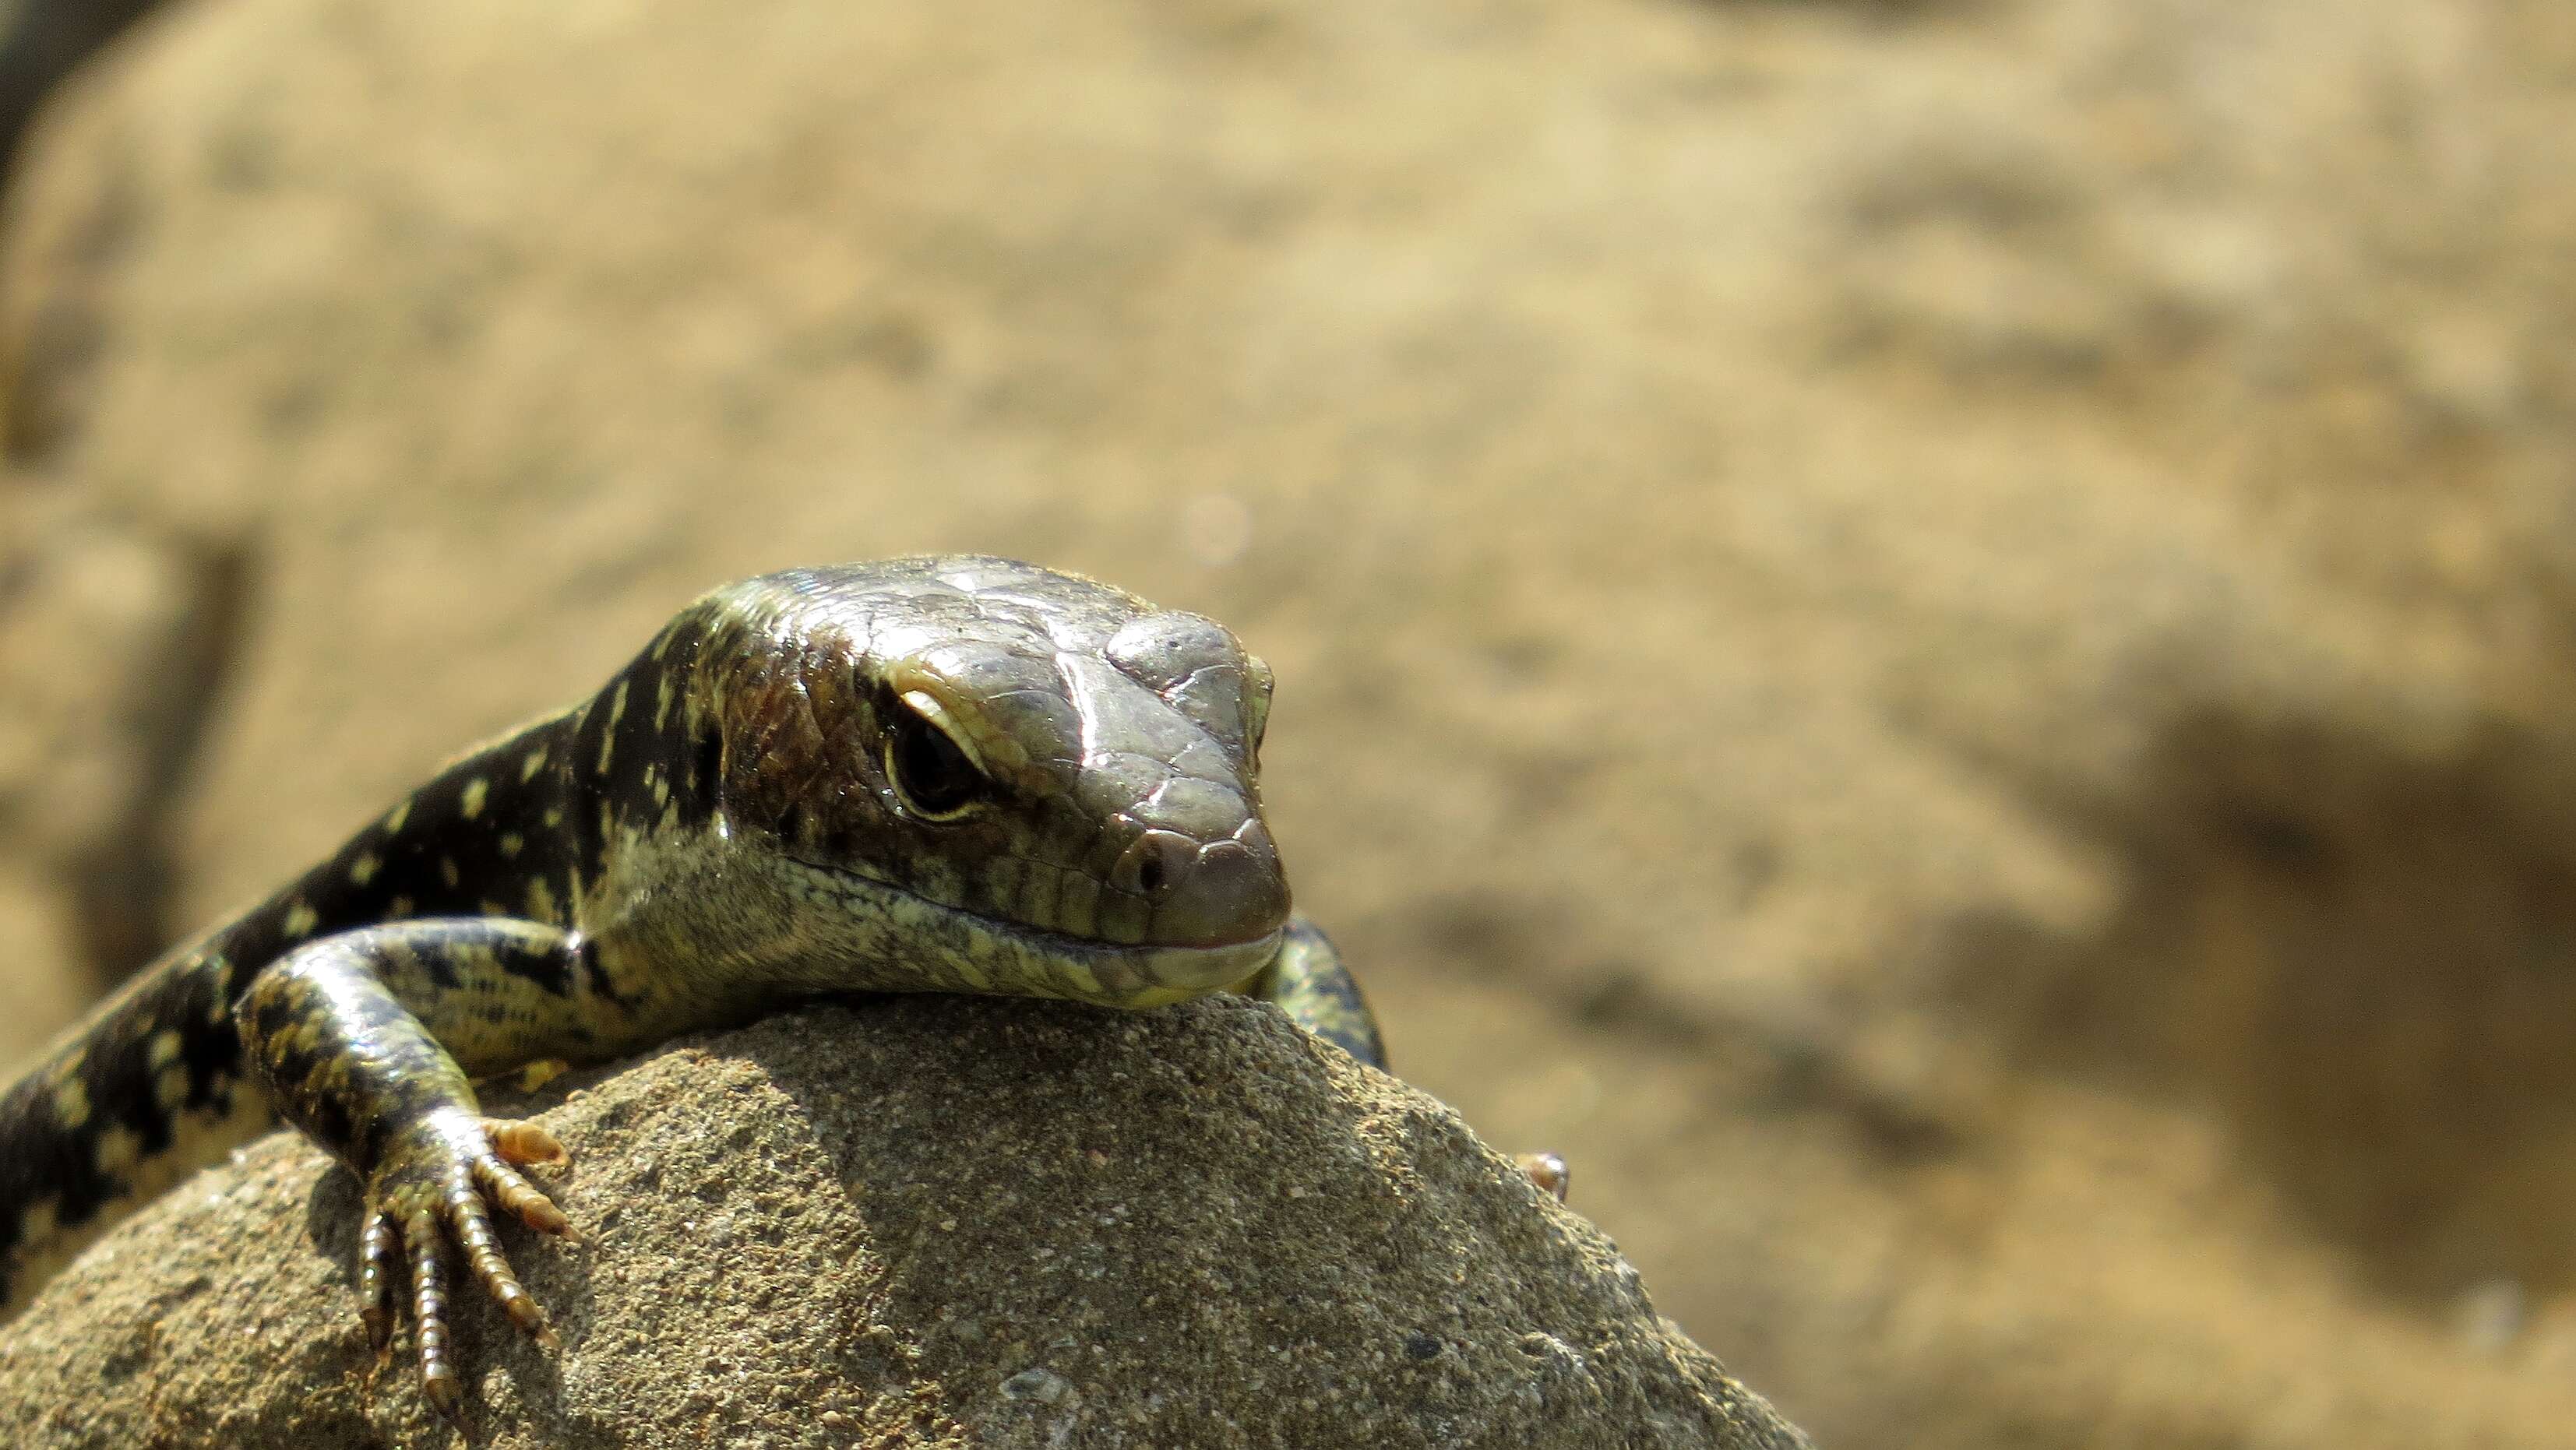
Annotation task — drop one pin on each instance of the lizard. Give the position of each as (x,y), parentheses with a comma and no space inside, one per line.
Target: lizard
(936,773)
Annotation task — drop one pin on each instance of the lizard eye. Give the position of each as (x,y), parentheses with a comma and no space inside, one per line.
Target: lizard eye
(932,778)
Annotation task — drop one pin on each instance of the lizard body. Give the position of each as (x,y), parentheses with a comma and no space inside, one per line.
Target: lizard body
(933,774)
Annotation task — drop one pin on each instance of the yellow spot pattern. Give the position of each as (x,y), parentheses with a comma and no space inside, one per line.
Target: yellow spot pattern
(71,1103)
(364,869)
(118,1151)
(36,1227)
(537,1074)
(608,737)
(300,921)
(475,790)
(219,971)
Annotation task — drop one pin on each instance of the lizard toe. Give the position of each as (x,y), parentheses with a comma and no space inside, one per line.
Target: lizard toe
(472,1224)
(378,1273)
(428,1252)
(517,1196)
(522,1143)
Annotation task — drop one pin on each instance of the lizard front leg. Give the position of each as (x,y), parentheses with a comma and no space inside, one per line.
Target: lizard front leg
(365,1041)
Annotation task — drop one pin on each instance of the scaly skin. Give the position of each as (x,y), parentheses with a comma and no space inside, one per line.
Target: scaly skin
(942,774)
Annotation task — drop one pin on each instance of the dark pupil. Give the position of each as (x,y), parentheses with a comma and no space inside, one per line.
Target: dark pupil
(929,769)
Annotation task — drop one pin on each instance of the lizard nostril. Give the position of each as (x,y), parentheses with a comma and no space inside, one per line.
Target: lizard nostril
(1155,863)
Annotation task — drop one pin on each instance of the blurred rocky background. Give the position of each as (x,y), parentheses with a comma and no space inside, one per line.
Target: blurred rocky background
(1938,638)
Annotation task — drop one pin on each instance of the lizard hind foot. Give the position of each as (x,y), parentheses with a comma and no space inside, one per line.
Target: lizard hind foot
(1547,1173)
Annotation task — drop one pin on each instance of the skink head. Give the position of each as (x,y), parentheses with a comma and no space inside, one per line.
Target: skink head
(1058,760)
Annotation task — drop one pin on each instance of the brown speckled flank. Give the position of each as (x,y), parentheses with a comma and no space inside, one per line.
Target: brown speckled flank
(950,774)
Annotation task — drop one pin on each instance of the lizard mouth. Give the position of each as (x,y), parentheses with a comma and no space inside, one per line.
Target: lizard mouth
(1149,976)
(953,949)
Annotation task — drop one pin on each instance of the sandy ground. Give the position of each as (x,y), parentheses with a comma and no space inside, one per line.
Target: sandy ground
(1933,637)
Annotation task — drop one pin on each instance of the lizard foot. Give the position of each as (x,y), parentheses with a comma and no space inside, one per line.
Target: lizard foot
(1547,1172)
(431,1184)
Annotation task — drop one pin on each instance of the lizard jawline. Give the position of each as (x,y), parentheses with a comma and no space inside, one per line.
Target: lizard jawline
(961,950)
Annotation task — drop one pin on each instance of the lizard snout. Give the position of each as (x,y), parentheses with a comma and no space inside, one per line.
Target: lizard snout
(1206,893)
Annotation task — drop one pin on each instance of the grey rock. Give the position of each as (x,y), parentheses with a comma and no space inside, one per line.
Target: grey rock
(921,1222)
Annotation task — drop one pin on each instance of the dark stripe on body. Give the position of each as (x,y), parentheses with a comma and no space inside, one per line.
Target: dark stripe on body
(623,756)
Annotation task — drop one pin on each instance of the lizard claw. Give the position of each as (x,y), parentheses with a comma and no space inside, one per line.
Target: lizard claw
(431,1188)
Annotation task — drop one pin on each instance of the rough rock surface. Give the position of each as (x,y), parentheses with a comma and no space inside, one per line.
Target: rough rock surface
(923,1223)
(1970,602)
